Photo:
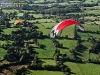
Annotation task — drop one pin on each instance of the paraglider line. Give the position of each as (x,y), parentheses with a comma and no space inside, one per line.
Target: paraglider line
(61,32)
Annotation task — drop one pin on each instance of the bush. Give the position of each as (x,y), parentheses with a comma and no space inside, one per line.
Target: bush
(35,67)
(49,67)
(21,71)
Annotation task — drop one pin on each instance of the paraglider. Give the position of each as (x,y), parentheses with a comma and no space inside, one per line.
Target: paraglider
(60,26)
(18,21)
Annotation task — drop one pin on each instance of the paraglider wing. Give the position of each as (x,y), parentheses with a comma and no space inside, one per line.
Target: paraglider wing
(60,26)
(18,21)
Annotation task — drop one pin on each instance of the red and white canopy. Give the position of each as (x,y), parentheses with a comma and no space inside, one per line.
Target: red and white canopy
(60,26)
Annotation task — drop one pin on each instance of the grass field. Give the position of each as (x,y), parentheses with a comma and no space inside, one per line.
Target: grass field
(47,51)
(9,30)
(84,36)
(8,11)
(2,53)
(84,69)
(91,1)
(76,69)
(20,14)
(90,69)
(45,25)
(50,62)
(44,72)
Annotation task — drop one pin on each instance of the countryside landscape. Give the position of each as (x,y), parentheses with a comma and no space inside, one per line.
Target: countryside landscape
(27,49)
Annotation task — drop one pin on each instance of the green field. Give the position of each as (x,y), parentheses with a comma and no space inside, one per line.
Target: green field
(2,53)
(48,51)
(38,72)
(84,69)
(9,30)
(76,69)
(45,54)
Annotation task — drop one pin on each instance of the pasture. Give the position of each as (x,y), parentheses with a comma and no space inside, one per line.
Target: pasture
(47,51)
(83,69)
(44,72)
(2,53)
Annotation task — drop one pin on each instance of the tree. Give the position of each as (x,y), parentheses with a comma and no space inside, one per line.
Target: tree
(56,57)
(7,24)
(30,49)
(75,32)
(56,51)
(35,40)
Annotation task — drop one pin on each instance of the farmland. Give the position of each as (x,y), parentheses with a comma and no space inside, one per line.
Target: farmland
(27,49)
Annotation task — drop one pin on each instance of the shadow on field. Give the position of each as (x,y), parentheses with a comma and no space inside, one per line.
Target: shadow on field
(42,46)
(64,47)
(80,50)
(67,38)
(73,73)
(35,52)
(42,62)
